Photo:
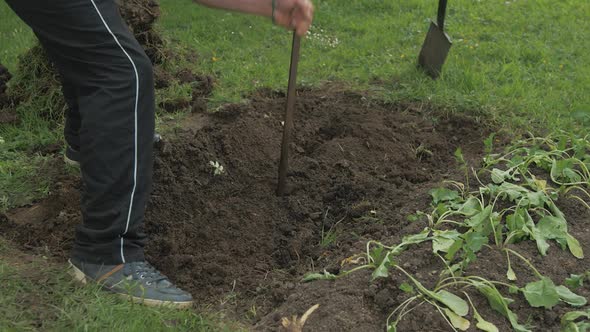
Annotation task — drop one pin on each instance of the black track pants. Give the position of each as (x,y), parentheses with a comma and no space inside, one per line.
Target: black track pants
(108,85)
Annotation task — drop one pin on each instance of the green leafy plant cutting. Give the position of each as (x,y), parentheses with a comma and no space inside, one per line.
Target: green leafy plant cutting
(514,206)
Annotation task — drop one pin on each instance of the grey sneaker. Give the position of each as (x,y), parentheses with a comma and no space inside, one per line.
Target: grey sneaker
(72,156)
(138,281)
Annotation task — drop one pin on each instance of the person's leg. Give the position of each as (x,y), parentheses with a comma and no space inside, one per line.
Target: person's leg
(97,54)
(73,121)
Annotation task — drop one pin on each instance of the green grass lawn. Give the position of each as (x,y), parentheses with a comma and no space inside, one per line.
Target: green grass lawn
(520,62)
(522,65)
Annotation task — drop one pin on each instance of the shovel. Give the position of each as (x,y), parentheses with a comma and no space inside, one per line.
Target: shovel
(288,124)
(436,45)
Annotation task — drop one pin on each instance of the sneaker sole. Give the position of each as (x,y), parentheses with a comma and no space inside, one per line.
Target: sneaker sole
(71,162)
(80,277)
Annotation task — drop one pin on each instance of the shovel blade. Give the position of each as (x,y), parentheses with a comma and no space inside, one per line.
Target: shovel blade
(434,51)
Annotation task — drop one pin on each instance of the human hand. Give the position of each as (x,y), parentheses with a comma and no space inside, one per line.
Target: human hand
(293,14)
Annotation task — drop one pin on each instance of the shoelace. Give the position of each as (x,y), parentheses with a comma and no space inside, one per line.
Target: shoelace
(144,271)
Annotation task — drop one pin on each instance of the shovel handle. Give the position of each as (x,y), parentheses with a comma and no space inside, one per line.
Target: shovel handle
(288,125)
(440,18)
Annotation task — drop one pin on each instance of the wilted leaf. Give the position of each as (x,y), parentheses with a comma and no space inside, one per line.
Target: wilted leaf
(551,227)
(319,276)
(536,199)
(457,321)
(382,270)
(453,302)
(478,220)
(562,170)
(453,249)
(513,191)
(499,303)
(484,325)
(471,207)
(575,280)
(574,246)
(568,323)
(510,274)
(416,238)
(474,240)
(570,297)
(443,240)
(407,288)
(573,315)
(499,176)
(443,195)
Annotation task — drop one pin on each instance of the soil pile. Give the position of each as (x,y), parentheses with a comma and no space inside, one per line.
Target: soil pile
(358,169)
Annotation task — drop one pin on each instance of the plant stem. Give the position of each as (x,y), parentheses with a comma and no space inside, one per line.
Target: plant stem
(537,273)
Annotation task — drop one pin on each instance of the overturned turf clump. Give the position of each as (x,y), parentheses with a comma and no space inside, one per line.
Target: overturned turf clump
(140,16)
(37,84)
(6,116)
(5,76)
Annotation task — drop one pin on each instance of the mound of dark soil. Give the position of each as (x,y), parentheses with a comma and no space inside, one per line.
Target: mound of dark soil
(358,169)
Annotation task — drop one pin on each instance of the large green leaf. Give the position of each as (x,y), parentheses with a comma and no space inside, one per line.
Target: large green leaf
(541,293)
(535,199)
(475,240)
(552,227)
(479,220)
(443,240)
(471,207)
(513,191)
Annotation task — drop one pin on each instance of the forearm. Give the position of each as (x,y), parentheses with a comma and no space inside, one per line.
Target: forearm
(256,7)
